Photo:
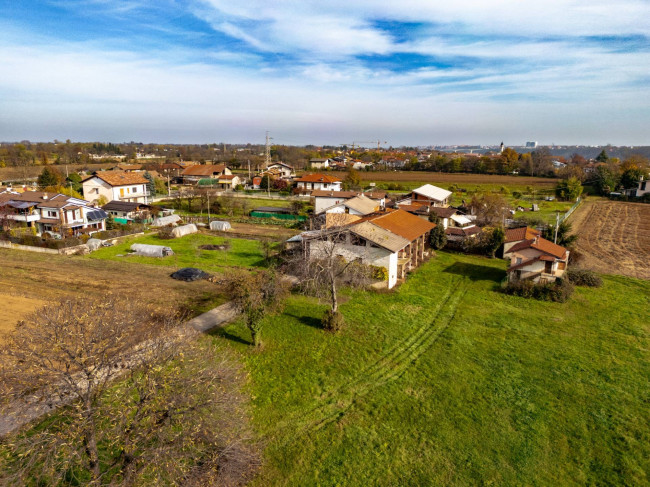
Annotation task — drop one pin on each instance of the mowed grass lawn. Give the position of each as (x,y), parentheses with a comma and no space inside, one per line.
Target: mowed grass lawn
(242,252)
(446,381)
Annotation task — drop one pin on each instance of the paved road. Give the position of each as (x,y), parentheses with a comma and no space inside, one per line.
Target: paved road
(25,411)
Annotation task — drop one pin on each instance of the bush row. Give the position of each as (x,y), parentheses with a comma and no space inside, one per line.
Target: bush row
(584,277)
(559,291)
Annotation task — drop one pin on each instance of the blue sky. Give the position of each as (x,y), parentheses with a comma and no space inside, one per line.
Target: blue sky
(414,72)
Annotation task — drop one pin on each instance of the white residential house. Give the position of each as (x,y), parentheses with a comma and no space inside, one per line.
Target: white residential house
(325,199)
(319,163)
(117,186)
(53,212)
(537,259)
(318,181)
(281,170)
(643,188)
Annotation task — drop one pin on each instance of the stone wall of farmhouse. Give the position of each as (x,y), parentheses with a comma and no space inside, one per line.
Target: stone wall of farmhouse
(369,255)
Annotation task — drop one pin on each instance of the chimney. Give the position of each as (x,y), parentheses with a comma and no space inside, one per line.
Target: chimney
(44,196)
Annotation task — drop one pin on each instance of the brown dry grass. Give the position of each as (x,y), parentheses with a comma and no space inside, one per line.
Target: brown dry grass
(28,280)
(614,237)
(449,178)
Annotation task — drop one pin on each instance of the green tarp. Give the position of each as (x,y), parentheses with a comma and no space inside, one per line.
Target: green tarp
(279,216)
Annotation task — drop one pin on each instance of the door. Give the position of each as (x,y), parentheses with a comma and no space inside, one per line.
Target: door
(121,192)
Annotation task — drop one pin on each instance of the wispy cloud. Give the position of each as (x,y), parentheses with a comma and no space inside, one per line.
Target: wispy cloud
(371,66)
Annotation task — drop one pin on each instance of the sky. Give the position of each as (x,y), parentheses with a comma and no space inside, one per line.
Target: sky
(409,72)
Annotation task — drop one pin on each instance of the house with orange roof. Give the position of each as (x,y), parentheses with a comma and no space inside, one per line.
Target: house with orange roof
(536,259)
(516,235)
(116,186)
(318,181)
(193,174)
(393,239)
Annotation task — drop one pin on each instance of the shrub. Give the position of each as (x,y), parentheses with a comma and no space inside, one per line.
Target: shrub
(584,277)
(559,291)
(379,273)
(165,232)
(332,320)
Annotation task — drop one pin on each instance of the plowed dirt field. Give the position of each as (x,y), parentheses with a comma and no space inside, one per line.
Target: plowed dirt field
(614,237)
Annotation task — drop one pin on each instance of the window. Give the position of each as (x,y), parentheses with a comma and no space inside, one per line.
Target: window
(519,260)
(134,190)
(51,214)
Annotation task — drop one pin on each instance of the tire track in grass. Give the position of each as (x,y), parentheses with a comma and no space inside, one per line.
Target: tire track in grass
(389,367)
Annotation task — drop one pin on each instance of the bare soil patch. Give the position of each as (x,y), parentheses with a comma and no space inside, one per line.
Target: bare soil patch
(614,237)
(29,280)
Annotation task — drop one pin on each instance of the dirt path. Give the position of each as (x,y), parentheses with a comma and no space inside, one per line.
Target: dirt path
(614,237)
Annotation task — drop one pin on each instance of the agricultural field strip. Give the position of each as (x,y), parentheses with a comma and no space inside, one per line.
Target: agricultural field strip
(618,248)
(387,368)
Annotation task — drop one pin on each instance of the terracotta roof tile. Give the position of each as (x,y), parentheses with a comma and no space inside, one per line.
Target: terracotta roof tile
(521,233)
(402,223)
(542,245)
(120,178)
(203,170)
(317,178)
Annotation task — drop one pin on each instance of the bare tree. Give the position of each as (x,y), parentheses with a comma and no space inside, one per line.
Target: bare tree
(166,408)
(326,262)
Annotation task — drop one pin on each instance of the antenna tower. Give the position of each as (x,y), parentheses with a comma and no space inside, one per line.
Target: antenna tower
(267,152)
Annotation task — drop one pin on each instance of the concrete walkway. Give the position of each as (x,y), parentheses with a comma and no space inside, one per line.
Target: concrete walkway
(215,317)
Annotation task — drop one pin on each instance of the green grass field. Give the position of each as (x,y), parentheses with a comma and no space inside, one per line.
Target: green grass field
(446,381)
(242,253)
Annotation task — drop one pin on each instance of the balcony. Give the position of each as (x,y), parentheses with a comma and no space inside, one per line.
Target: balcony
(30,217)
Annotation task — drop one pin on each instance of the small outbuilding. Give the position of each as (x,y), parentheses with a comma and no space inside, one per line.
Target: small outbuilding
(184,230)
(220,226)
(148,250)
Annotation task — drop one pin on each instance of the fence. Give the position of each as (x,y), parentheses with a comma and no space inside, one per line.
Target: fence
(571,210)
(279,216)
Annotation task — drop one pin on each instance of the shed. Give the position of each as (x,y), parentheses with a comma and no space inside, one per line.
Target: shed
(184,230)
(151,250)
(220,226)
(166,220)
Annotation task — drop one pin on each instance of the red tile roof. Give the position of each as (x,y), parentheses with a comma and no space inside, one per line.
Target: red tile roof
(521,233)
(542,245)
(204,170)
(401,223)
(317,178)
(120,178)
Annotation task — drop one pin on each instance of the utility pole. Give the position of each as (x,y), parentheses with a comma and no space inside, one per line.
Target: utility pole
(267,152)
(557,225)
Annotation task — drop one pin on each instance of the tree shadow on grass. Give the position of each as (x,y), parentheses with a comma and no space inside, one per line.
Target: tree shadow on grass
(476,272)
(220,332)
(308,320)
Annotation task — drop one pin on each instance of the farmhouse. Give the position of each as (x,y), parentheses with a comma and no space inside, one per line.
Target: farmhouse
(55,213)
(318,181)
(192,174)
(393,239)
(116,186)
(537,260)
